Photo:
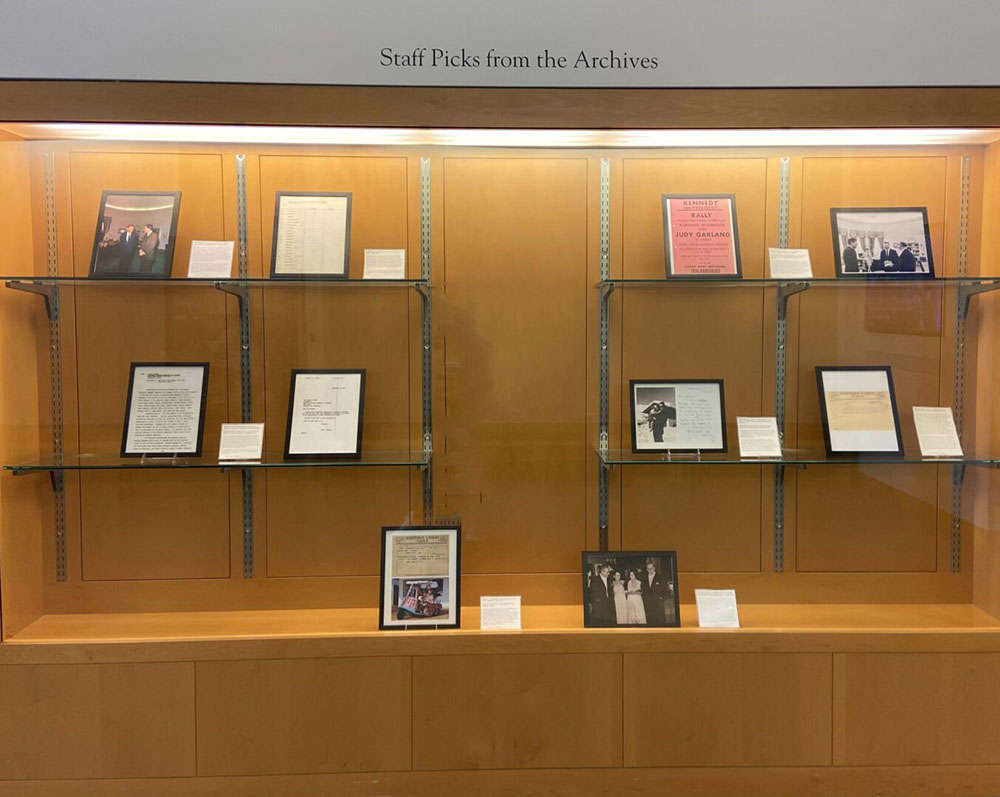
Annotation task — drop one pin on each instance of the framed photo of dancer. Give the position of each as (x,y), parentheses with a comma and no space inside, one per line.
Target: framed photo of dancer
(627,589)
(677,415)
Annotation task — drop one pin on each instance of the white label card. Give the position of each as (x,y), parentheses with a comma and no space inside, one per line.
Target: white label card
(759,437)
(790,263)
(241,441)
(211,259)
(717,608)
(936,432)
(500,612)
(385,264)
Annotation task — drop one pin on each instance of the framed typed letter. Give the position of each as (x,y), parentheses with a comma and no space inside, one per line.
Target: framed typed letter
(325,413)
(678,415)
(700,236)
(165,410)
(630,588)
(419,584)
(872,243)
(135,234)
(858,408)
(312,235)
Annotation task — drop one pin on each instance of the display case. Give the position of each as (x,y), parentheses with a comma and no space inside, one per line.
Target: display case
(498,397)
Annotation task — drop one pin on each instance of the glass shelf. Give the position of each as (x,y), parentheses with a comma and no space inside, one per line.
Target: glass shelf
(213,281)
(792,457)
(270,460)
(815,281)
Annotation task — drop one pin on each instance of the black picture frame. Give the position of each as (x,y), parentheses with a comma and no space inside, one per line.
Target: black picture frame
(356,454)
(105,250)
(877,267)
(610,614)
(664,200)
(386,606)
(298,276)
(201,411)
(824,417)
(666,384)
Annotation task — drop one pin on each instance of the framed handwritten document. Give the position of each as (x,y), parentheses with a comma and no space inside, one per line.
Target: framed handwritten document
(700,236)
(312,235)
(858,408)
(678,415)
(165,410)
(420,577)
(325,414)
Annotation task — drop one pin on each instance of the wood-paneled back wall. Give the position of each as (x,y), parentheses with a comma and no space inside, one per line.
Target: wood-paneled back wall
(515,241)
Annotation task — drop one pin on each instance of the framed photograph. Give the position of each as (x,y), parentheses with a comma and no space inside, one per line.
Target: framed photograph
(858,407)
(420,582)
(680,415)
(622,589)
(312,235)
(872,243)
(165,410)
(700,236)
(135,234)
(325,414)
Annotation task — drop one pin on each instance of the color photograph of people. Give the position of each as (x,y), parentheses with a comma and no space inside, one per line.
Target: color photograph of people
(134,235)
(420,599)
(656,415)
(622,589)
(882,243)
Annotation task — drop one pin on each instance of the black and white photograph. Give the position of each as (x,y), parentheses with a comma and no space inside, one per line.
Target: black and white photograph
(135,234)
(681,415)
(882,243)
(420,577)
(622,589)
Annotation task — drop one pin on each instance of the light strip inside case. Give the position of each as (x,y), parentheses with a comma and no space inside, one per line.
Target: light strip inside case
(383,136)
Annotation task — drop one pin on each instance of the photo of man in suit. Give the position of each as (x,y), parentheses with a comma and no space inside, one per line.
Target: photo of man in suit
(654,595)
(148,243)
(128,245)
(602,607)
(907,260)
(850,256)
(887,259)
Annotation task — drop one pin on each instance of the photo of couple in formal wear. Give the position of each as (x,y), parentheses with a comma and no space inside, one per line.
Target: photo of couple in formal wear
(135,233)
(881,242)
(630,588)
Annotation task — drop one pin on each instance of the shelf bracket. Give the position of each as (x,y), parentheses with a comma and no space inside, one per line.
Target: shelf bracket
(47,290)
(966,292)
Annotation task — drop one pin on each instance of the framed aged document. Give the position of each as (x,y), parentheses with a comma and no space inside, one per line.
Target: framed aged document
(700,236)
(873,243)
(858,408)
(420,577)
(679,415)
(165,410)
(325,414)
(312,235)
(623,589)
(135,234)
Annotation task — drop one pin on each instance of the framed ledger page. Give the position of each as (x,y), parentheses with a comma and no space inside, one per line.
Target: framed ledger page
(700,236)
(420,577)
(858,408)
(165,410)
(325,414)
(630,588)
(312,235)
(681,415)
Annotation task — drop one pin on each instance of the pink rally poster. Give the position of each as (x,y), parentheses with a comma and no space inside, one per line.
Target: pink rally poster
(701,237)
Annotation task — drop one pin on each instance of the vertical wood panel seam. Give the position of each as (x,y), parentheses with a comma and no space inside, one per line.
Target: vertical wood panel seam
(194,670)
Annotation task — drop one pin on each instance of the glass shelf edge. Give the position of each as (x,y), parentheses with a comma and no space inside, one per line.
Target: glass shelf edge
(689,459)
(166,464)
(213,281)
